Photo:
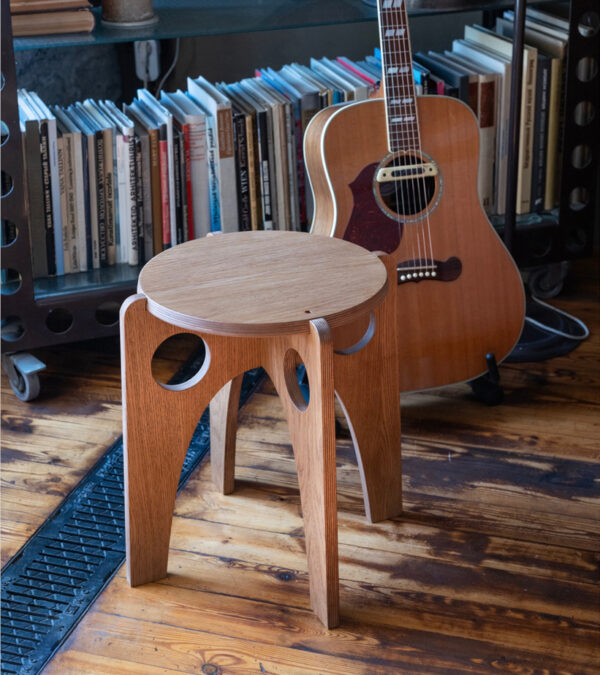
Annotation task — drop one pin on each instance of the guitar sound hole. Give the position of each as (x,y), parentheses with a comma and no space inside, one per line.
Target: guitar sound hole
(407,196)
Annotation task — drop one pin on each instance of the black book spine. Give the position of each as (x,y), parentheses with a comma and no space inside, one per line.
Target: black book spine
(540,134)
(265,179)
(101,196)
(242,180)
(177,177)
(87,204)
(47,198)
(139,193)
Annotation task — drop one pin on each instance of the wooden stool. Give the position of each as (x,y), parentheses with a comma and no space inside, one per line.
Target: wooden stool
(269,299)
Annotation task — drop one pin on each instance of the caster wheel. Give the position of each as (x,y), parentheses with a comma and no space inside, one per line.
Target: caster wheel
(547,282)
(22,371)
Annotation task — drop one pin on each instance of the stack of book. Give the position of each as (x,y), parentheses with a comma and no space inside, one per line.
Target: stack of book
(478,70)
(48,17)
(108,185)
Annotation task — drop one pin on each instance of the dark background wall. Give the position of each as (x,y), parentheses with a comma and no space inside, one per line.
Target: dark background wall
(68,74)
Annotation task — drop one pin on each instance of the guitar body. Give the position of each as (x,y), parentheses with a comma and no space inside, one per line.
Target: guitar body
(474,304)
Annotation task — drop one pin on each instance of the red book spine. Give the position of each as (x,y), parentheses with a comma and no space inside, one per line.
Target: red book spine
(164,194)
(188,181)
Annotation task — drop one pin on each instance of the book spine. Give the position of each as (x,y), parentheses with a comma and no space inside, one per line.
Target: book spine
(178,191)
(132,253)
(146,187)
(226,164)
(164,194)
(110,197)
(526,138)
(540,135)
(292,168)
(56,203)
(553,129)
(156,191)
(101,199)
(189,202)
(213,177)
(35,200)
(62,195)
(71,196)
(265,173)
(47,199)
(242,183)
(201,207)
(139,197)
(253,174)
(122,234)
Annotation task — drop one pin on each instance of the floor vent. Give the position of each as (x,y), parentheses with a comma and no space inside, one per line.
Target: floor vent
(48,586)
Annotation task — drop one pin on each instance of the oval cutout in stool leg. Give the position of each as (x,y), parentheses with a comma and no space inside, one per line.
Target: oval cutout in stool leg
(291,361)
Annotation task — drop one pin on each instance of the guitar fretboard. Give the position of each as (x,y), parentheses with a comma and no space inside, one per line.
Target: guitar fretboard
(396,57)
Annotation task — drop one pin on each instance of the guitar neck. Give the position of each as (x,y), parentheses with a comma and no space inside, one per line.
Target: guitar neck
(396,57)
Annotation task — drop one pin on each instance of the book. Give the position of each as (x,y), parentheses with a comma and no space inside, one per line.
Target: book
(540,126)
(281,169)
(50,23)
(219,107)
(194,116)
(78,179)
(449,73)
(153,242)
(164,119)
(556,48)
(252,154)
(502,66)
(100,141)
(105,124)
(132,230)
(49,137)
(504,46)
(240,140)
(42,260)
(262,155)
(24,6)
(486,110)
(71,144)
(183,122)
(91,193)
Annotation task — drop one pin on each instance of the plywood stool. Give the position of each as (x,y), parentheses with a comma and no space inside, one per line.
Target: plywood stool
(267,299)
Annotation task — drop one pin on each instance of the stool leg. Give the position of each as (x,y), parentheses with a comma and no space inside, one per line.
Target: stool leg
(312,432)
(157,427)
(368,387)
(223,430)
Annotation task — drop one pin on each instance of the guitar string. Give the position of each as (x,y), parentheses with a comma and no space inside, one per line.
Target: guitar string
(400,137)
(385,54)
(413,130)
(412,133)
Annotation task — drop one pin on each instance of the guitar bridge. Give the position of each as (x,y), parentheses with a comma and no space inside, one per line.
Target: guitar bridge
(424,269)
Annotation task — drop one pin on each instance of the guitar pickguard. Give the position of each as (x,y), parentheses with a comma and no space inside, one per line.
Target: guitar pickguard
(368,226)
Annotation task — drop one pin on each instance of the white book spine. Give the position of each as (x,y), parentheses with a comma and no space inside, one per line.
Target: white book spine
(199,178)
(80,202)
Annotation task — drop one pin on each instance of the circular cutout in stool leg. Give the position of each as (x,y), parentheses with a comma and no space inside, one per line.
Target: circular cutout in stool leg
(180,362)
(292,364)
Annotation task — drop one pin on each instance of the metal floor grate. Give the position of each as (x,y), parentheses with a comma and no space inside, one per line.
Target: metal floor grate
(48,586)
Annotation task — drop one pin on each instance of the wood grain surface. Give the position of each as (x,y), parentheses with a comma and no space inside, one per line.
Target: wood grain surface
(493,567)
(262,283)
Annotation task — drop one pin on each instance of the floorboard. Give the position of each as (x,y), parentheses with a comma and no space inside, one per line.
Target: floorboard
(494,566)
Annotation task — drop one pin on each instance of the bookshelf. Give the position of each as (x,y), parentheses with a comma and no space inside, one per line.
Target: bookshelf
(45,312)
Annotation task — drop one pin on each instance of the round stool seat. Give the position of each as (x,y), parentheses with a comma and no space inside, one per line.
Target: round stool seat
(262,283)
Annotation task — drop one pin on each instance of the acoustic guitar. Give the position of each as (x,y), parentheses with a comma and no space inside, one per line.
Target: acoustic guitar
(398,174)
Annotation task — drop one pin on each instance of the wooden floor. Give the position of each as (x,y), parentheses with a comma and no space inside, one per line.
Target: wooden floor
(494,567)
